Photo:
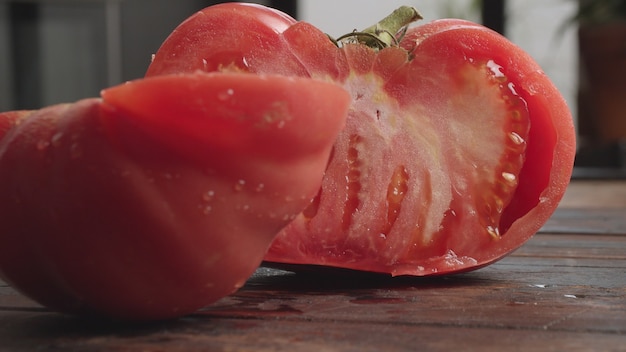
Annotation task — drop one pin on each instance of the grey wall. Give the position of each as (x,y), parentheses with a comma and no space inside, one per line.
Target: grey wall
(71,54)
(6,77)
(62,56)
(145,24)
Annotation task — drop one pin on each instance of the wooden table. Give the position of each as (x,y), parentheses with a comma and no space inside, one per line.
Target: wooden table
(565,290)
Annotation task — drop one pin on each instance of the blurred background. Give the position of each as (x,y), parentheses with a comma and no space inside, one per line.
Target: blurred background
(55,51)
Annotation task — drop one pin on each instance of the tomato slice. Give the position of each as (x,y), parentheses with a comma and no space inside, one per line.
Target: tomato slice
(456,150)
(11,119)
(162,196)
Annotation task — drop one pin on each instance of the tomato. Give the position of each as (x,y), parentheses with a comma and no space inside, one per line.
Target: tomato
(163,195)
(456,150)
(10,119)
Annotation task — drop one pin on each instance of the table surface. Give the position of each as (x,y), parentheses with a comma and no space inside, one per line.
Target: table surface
(564,290)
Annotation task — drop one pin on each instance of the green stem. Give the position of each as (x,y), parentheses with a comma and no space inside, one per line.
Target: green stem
(385,31)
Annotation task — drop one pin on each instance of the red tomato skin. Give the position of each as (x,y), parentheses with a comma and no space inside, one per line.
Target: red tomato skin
(437,46)
(104,215)
(11,119)
(97,239)
(231,47)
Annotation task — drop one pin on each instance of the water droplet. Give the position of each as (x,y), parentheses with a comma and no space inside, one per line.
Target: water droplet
(225,95)
(511,87)
(495,69)
(56,139)
(208,196)
(260,187)
(76,151)
(239,185)
(41,145)
(240,283)
(207,210)
(281,124)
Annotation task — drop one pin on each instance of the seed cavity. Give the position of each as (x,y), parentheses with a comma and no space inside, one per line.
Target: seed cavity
(310,211)
(499,187)
(510,178)
(396,191)
(353,182)
(516,138)
(494,232)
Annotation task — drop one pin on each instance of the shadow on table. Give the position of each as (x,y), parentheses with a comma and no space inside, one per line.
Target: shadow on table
(302,278)
(269,294)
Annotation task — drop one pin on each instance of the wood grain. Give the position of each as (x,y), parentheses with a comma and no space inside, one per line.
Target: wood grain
(564,290)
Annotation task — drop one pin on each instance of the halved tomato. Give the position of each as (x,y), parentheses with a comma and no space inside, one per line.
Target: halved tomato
(456,150)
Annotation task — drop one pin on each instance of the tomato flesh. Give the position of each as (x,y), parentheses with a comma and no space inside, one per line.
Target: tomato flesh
(450,169)
(135,206)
